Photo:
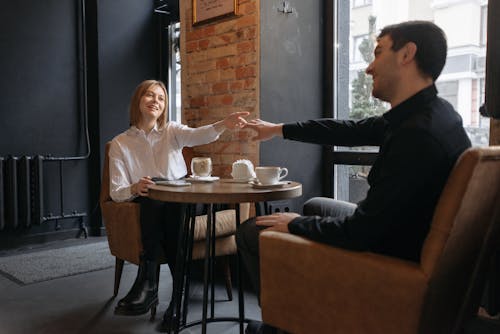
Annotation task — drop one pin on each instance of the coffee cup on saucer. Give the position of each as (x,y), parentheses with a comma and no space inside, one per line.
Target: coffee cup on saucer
(242,170)
(270,175)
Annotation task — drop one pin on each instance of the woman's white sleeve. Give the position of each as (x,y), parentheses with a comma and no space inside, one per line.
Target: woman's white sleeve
(196,136)
(120,184)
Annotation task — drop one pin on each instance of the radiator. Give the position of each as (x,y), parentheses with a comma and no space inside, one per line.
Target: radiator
(21,191)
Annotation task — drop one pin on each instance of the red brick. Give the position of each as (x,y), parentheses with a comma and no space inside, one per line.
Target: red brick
(247,8)
(224,27)
(236,86)
(213,76)
(197,102)
(246,47)
(250,83)
(227,99)
(223,51)
(245,72)
(204,44)
(246,21)
(222,63)
(227,74)
(191,46)
(220,87)
(201,32)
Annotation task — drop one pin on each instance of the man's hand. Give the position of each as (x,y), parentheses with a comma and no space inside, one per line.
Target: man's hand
(265,130)
(279,221)
(141,188)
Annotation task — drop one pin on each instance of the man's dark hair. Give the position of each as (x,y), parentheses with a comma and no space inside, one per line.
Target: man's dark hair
(430,41)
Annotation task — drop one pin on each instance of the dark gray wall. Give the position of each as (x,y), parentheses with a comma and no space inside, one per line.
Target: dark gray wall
(291,87)
(41,101)
(41,110)
(39,66)
(127,55)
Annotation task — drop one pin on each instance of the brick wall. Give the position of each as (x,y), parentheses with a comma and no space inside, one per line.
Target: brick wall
(220,66)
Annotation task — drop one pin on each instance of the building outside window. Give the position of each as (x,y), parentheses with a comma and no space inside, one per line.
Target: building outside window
(356,55)
(448,90)
(484,28)
(361,3)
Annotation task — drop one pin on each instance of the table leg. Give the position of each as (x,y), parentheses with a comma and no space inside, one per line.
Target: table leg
(206,269)
(241,301)
(212,266)
(189,256)
(177,279)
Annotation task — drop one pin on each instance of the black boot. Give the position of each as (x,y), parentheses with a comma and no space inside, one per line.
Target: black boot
(169,318)
(144,292)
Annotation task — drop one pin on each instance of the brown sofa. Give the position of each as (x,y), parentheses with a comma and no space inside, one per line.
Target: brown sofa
(308,287)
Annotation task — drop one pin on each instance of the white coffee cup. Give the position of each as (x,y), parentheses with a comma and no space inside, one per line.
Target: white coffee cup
(242,170)
(201,166)
(270,175)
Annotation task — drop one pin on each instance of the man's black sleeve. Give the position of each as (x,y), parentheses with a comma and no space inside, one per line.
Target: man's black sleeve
(328,131)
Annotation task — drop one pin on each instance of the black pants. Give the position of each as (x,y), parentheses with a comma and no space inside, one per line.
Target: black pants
(160,222)
(247,236)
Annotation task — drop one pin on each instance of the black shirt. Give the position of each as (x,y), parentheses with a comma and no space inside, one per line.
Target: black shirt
(420,141)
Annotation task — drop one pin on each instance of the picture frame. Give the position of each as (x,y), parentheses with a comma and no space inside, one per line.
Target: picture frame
(209,10)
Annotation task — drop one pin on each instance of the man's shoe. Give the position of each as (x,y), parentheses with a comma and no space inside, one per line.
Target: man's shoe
(258,327)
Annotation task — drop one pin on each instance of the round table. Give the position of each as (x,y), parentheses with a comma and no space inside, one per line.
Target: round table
(224,191)
(218,192)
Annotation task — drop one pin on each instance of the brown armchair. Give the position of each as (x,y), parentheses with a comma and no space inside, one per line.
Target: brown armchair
(122,225)
(308,287)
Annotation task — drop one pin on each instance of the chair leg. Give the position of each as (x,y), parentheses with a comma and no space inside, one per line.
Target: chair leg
(227,277)
(118,274)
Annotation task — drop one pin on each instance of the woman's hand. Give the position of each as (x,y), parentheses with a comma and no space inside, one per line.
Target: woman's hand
(265,130)
(141,188)
(235,120)
(232,122)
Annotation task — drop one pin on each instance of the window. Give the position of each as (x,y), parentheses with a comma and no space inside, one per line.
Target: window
(461,84)
(449,91)
(174,73)
(360,3)
(484,28)
(356,53)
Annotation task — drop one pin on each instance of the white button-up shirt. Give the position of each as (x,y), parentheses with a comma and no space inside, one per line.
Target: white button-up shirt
(134,154)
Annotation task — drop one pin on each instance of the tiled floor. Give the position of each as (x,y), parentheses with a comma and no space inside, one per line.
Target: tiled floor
(82,304)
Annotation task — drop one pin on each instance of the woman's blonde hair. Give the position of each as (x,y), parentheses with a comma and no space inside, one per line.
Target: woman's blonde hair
(135,112)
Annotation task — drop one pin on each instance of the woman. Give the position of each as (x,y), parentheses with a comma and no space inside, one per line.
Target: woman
(152,147)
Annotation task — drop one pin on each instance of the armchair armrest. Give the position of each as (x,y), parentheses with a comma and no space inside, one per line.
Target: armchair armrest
(309,287)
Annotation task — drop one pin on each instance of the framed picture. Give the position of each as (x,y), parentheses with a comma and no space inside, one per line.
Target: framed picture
(207,10)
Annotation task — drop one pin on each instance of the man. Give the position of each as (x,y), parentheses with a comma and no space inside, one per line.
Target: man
(420,139)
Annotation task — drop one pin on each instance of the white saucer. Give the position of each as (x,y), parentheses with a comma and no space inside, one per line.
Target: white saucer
(258,185)
(202,179)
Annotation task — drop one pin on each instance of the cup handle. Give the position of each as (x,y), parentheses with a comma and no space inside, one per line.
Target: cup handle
(281,173)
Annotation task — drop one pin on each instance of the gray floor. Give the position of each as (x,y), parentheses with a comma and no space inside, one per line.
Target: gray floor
(83,304)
